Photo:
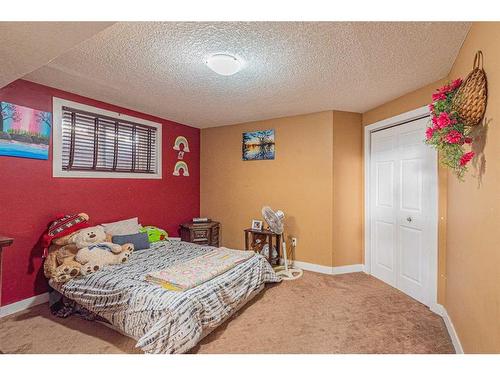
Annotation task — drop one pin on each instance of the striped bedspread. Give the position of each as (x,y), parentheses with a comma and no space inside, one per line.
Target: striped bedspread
(165,321)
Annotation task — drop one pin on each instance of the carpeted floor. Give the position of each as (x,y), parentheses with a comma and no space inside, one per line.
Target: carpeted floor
(352,313)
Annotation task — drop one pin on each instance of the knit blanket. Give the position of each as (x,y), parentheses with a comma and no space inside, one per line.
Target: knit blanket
(184,276)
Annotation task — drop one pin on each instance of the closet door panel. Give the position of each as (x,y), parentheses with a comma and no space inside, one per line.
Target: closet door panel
(384,204)
(412,269)
(402,206)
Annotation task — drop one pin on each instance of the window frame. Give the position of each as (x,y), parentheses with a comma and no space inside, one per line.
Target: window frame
(57,167)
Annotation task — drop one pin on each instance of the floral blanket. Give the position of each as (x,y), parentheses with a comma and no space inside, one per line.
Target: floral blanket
(194,272)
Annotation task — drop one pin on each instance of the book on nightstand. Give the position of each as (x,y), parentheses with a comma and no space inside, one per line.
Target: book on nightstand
(201,220)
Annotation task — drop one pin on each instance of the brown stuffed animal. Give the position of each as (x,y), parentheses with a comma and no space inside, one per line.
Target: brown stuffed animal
(59,249)
(260,245)
(259,240)
(60,264)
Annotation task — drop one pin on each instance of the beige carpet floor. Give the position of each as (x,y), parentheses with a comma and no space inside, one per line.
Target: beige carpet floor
(352,313)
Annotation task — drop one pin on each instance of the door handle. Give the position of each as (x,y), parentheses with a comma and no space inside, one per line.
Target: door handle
(409,219)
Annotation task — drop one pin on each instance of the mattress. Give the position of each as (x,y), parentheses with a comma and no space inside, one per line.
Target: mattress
(164,321)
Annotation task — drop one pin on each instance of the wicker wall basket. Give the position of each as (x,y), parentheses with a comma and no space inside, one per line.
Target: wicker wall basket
(470,99)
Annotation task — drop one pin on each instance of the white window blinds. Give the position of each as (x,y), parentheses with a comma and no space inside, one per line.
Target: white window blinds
(94,142)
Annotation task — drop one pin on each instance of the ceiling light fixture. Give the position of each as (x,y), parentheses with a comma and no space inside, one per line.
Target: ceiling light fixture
(224,64)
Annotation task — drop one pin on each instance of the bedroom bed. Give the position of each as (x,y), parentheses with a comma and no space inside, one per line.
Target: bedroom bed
(163,321)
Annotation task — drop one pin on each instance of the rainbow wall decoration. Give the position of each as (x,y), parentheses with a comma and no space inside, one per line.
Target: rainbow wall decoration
(181,165)
(24,132)
(180,140)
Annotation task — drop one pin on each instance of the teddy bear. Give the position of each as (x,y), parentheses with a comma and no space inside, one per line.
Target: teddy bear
(60,264)
(260,245)
(259,240)
(59,250)
(94,251)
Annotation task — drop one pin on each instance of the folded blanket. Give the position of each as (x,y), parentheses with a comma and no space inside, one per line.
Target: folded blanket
(196,271)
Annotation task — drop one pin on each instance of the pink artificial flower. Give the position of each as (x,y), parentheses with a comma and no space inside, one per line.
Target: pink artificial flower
(444,120)
(431,107)
(438,96)
(467,157)
(441,92)
(445,89)
(456,84)
(453,137)
(429,133)
(434,121)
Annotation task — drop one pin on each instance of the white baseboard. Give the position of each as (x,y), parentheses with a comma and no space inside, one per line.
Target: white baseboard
(327,269)
(23,304)
(441,310)
(313,267)
(339,270)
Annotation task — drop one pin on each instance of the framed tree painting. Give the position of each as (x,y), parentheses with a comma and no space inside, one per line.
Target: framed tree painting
(24,132)
(258,145)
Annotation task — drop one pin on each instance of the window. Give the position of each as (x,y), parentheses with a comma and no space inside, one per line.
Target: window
(90,142)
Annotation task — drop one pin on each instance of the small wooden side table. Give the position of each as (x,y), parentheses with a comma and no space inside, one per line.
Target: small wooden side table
(4,242)
(249,235)
(206,233)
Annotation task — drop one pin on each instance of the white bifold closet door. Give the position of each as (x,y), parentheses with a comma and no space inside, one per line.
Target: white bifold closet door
(403,177)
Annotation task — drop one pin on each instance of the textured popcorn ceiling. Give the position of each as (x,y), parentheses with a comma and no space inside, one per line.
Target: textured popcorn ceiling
(290,68)
(26,46)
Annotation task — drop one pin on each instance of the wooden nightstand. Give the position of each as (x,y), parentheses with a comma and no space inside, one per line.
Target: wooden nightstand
(249,236)
(4,242)
(201,233)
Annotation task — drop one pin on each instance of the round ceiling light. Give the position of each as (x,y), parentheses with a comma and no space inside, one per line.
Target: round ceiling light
(224,64)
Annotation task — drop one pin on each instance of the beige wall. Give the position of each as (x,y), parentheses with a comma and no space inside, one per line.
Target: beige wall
(405,103)
(347,189)
(469,243)
(473,239)
(299,181)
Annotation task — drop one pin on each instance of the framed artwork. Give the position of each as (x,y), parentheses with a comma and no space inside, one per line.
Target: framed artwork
(256,224)
(258,145)
(24,132)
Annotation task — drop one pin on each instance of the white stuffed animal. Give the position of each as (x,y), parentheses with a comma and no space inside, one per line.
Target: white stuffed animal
(94,252)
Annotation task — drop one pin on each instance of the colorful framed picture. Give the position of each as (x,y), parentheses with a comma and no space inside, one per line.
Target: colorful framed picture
(258,145)
(24,132)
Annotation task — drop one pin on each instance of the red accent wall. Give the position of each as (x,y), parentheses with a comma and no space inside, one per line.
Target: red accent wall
(30,197)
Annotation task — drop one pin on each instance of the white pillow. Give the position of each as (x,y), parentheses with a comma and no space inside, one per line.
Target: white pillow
(129,226)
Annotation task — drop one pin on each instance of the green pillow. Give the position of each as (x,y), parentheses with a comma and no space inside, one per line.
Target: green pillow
(154,234)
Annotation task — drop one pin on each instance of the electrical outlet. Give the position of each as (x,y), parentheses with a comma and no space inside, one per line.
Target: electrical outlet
(294,241)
